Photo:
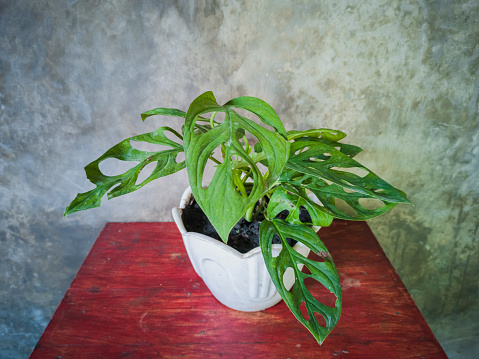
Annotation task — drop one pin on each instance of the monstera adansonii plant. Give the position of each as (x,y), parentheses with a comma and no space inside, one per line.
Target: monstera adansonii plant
(260,170)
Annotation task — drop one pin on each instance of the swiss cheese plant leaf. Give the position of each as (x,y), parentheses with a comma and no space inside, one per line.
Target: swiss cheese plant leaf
(260,108)
(327,194)
(292,201)
(220,200)
(324,133)
(323,272)
(322,166)
(166,164)
(163,111)
(323,161)
(347,149)
(326,136)
(282,201)
(175,113)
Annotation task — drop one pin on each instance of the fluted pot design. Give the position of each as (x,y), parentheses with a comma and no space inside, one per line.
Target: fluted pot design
(238,280)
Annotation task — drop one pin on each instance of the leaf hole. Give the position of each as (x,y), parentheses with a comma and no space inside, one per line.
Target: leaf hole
(320,157)
(371,203)
(250,138)
(146,172)
(328,182)
(263,169)
(252,156)
(288,278)
(210,168)
(317,257)
(180,157)
(149,147)
(320,319)
(360,172)
(301,150)
(115,167)
(242,112)
(304,311)
(277,252)
(304,215)
(278,243)
(344,207)
(249,147)
(320,292)
(307,181)
(252,117)
(172,137)
(313,197)
(219,117)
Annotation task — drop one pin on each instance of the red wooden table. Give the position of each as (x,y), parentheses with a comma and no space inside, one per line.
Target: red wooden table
(137,296)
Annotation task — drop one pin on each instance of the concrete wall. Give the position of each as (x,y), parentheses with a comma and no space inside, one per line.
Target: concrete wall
(400,77)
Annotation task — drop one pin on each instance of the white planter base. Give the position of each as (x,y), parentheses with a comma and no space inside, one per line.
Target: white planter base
(239,281)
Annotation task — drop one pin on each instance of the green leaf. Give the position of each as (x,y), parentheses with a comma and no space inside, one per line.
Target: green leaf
(175,113)
(282,201)
(163,111)
(261,109)
(323,161)
(323,133)
(323,272)
(202,128)
(125,183)
(349,150)
(224,213)
(317,165)
(327,195)
(292,202)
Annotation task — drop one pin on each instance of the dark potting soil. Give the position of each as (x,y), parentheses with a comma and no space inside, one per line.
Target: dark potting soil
(243,237)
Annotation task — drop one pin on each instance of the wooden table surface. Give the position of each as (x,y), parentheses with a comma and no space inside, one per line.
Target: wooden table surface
(137,296)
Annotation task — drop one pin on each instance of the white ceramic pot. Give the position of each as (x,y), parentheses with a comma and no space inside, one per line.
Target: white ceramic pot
(238,280)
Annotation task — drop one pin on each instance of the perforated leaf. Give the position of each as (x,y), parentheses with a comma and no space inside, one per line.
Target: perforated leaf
(292,202)
(225,213)
(260,108)
(323,272)
(175,113)
(163,111)
(166,164)
(327,194)
(347,149)
(320,160)
(322,166)
(323,133)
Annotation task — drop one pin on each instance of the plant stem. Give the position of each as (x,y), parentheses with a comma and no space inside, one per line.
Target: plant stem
(249,213)
(223,150)
(247,146)
(214,160)
(246,176)
(212,119)
(260,208)
(239,183)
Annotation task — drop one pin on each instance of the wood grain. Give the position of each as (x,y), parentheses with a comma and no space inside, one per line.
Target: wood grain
(137,296)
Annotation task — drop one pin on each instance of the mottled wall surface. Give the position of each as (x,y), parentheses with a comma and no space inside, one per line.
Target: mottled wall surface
(400,77)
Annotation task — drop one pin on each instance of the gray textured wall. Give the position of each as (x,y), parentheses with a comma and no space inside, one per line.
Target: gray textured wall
(400,77)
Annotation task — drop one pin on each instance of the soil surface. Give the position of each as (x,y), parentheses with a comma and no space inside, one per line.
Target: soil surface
(243,237)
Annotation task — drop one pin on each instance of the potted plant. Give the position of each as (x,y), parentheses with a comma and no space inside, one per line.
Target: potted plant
(261,173)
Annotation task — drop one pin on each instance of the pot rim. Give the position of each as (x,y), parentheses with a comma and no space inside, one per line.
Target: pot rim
(177,211)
